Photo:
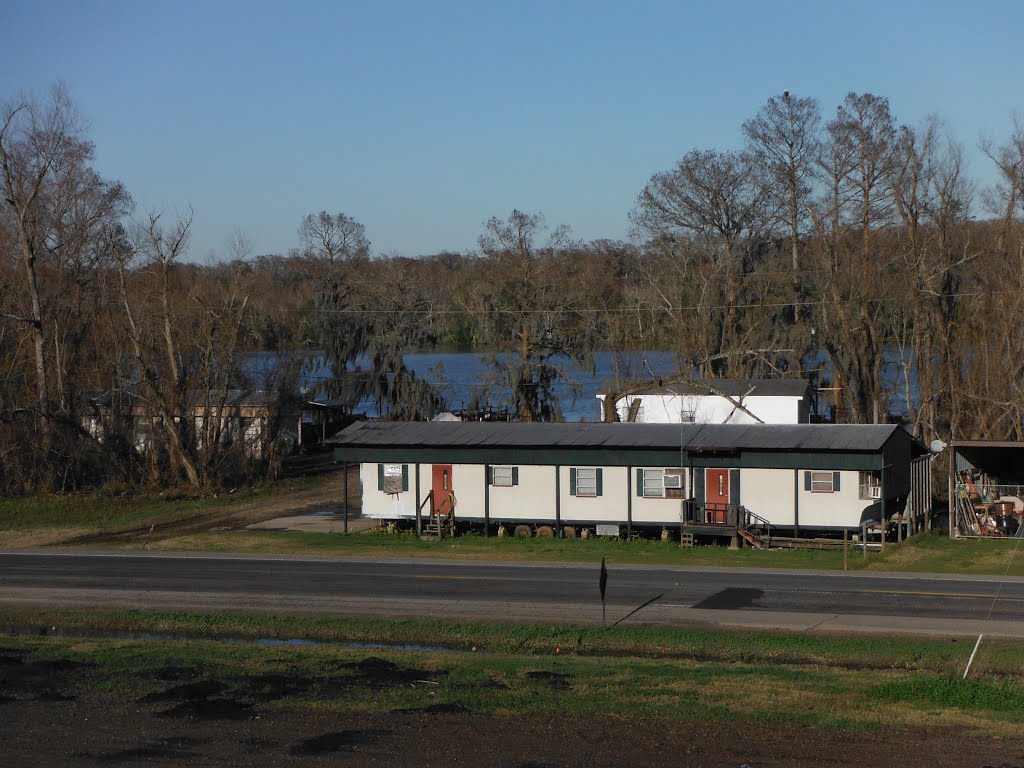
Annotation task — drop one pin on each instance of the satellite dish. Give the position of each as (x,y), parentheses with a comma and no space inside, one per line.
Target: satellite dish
(937,446)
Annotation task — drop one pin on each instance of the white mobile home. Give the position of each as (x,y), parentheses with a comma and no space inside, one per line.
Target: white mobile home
(706,479)
(717,401)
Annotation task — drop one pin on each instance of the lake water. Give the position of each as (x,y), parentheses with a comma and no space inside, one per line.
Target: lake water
(461,376)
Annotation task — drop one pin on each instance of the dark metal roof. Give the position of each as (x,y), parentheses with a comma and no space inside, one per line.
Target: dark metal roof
(732,388)
(691,437)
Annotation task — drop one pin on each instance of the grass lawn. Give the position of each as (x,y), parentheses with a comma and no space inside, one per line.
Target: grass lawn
(927,553)
(827,681)
(42,521)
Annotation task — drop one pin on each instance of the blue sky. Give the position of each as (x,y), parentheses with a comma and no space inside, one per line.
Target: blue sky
(423,120)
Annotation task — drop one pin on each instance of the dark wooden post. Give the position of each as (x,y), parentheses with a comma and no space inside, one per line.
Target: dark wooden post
(345,465)
(796,502)
(487,500)
(629,503)
(419,516)
(881,513)
(558,501)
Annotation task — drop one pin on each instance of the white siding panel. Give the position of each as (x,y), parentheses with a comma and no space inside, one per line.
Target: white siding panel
(386,506)
(610,506)
(768,493)
(660,511)
(832,510)
(468,486)
(532,499)
(712,409)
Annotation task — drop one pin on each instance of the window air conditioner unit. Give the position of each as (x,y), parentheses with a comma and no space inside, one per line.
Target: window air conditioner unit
(673,481)
(876,492)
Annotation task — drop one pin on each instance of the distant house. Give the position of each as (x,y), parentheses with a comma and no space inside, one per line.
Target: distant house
(718,401)
(233,417)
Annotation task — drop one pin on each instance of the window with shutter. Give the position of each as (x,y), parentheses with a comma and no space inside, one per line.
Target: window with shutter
(587,481)
(503,476)
(393,478)
(823,482)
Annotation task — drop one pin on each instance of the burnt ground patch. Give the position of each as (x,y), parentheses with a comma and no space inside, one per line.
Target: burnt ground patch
(202,689)
(164,749)
(178,674)
(276,685)
(211,709)
(560,681)
(338,741)
(433,709)
(375,672)
(732,598)
(47,680)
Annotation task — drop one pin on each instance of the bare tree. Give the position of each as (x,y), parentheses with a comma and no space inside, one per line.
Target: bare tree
(933,201)
(366,312)
(528,306)
(784,140)
(1006,197)
(707,218)
(864,128)
(334,238)
(55,212)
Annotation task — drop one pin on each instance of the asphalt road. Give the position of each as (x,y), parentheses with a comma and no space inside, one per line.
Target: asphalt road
(800,600)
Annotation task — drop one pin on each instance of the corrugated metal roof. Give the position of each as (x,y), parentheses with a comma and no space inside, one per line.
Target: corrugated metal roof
(691,437)
(733,388)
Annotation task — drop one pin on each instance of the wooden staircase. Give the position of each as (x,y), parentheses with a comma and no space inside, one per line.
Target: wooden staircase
(757,541)
(441,521)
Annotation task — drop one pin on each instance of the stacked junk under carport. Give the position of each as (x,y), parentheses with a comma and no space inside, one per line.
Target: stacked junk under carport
(986,489)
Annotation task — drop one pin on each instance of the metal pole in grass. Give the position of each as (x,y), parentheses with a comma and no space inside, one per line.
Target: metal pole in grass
(345,470)
(604,586)
(971,660)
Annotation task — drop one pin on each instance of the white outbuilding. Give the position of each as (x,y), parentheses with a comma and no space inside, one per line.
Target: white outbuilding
(717,401)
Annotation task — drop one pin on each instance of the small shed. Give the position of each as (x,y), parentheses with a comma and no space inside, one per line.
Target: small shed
(986,488)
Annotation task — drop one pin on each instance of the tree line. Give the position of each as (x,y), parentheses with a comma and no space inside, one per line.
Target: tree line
(848,248)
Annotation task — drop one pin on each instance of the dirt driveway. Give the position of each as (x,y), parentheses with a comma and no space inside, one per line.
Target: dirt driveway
(325,497)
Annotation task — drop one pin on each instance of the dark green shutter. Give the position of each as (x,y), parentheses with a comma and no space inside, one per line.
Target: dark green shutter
(515,475)
(380,477)
(490,475)
(572,481)
(835,482)
(599,473)
(405,477)
(807,481)
(639,482)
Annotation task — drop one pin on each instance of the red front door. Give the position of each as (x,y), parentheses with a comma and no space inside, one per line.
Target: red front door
(716,495)
(441,484)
